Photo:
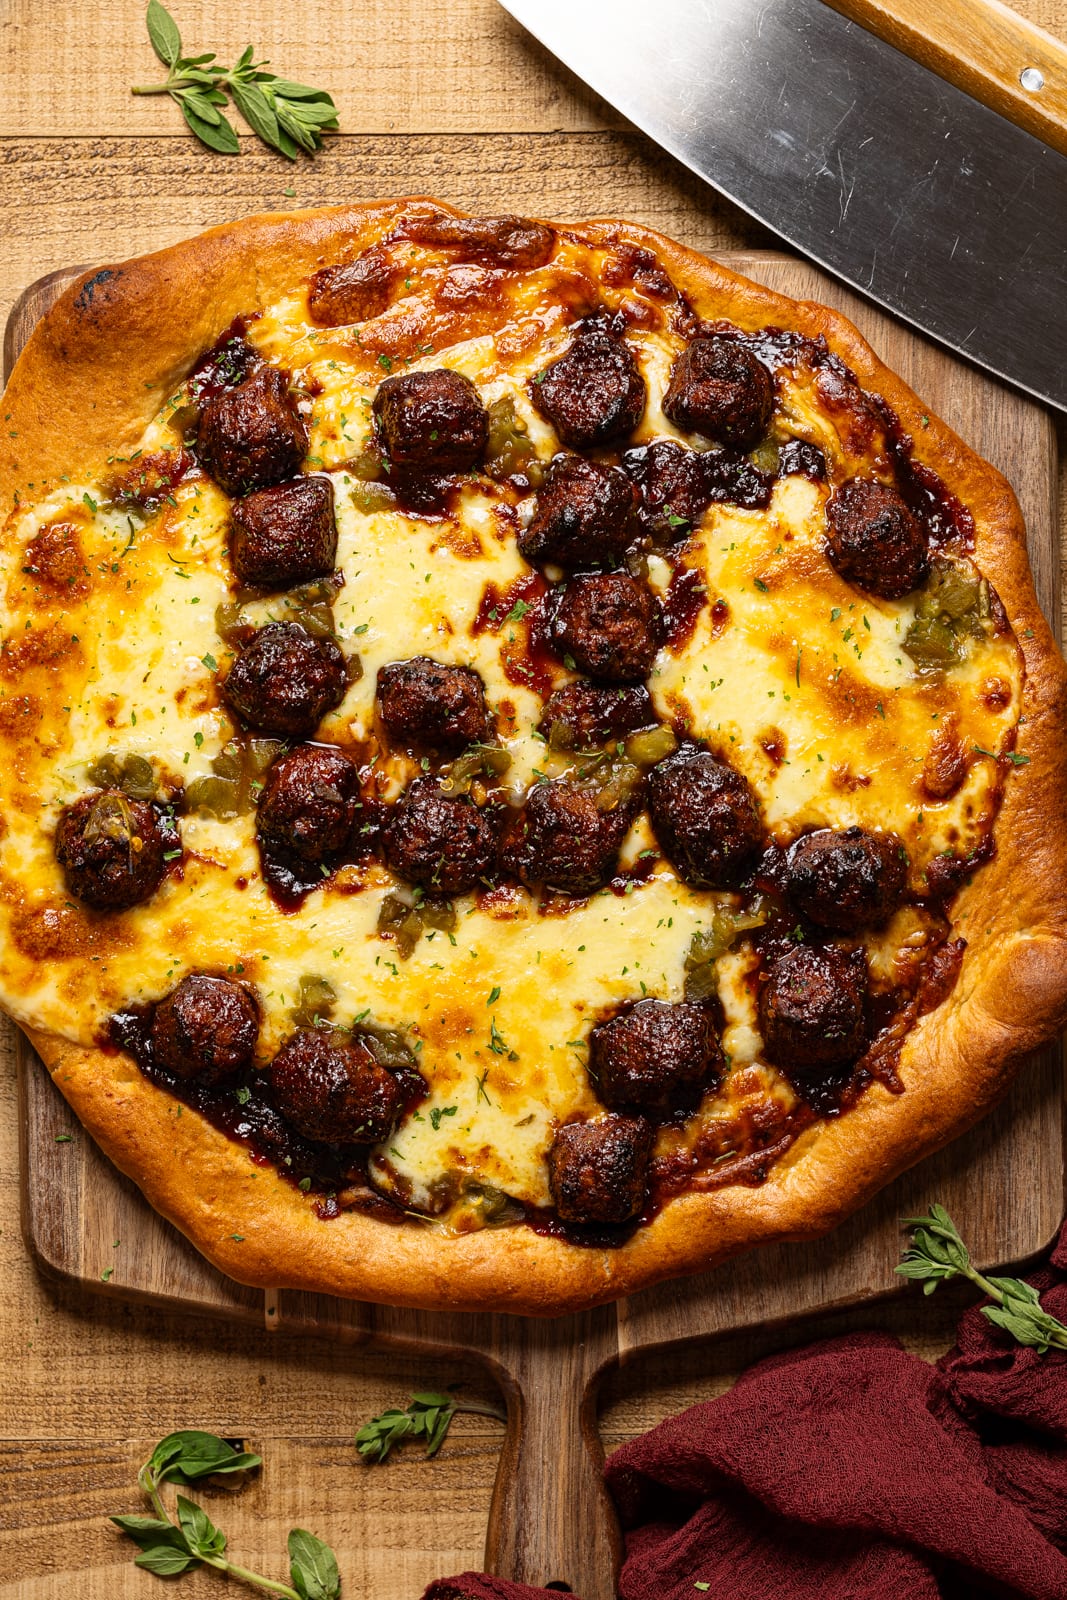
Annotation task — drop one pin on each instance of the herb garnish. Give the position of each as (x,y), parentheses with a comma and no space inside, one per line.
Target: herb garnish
(428,1417)
(169,1548)
(287,116)
(937,1253)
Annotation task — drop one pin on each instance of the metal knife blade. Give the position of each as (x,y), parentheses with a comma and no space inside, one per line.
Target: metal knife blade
(903,185)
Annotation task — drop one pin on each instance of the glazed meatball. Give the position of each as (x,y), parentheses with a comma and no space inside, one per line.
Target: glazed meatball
(432,421)
(594,393)
(597,1171)
(584,515)
(285,535)
(284,681)
(706,818)
(425,702)
(332,1089)
(648,1053)
(113,850)
(609,624)
(563,840)
(355,292)
(674,487)
(440,841)
(309,802)
(500,241)
(721,390)
(874,541)
(582,715)
(250,437)
(811,1010)
(206,1029)
(847,880)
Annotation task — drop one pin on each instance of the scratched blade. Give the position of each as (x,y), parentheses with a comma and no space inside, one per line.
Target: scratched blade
(904,186)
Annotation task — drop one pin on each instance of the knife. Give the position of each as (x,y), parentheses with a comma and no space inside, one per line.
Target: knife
(920,196)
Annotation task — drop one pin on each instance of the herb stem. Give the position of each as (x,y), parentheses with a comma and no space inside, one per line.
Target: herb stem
(475,1410)
(149,1486)
(1057,1337)
(254,1579)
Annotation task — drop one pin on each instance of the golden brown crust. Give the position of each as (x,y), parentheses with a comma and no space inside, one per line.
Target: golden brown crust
(133,331)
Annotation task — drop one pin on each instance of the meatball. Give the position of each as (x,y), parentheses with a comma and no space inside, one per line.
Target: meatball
(609,624)
(648,1053)
(432,421)
(422,701)
(594,393)
(720,389)
(597,1171)
(562,839)
(332,1089)
(582,715)
(874,541)
(847,880)
(284,535)
(675,490)
(205,1029)
(500,241)
(250,437)
(284,681)
(440,841)
(811,1011)
(113,850)
(355,292)
(584,516)
(309,802)
(706,818)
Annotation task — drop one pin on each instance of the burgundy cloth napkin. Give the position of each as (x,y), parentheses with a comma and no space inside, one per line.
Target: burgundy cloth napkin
(850,1470)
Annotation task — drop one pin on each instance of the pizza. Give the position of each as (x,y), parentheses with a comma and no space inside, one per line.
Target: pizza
(531,763)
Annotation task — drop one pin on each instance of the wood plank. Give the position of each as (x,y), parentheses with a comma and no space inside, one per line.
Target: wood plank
(549,1518)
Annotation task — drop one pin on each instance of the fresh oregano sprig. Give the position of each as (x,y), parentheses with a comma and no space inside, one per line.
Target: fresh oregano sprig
(428,1417)
(288,116)
(169,1548)
(937,1253)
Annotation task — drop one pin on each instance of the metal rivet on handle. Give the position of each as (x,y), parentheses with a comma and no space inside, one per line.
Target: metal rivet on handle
(1032,79)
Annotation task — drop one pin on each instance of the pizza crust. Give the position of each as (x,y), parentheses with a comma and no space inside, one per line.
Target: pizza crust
(125,337)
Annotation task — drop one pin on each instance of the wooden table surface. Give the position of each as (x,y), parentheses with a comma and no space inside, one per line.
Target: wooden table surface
(435,96)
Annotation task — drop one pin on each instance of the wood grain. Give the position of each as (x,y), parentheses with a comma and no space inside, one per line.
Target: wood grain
(982,47)
(549,1519)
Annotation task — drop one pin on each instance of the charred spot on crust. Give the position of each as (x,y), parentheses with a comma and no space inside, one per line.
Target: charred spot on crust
(812,1013)
(594,393)
(250,437)
(706,818)
(309,802)
(609,624)
(432,421)
(439,841)
(285,535)
(284,681)
(205,1029)
(433,703)
(847,879)
(598,1171)
(332,1088)
(563,840)
(114,850)
(652,1051)
(721,390)
(581,716)
(874,541)
(585,515)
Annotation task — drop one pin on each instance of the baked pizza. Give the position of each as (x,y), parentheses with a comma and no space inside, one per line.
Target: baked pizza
(531,763)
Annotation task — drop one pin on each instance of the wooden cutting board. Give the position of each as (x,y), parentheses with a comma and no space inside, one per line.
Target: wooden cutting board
(550,1521)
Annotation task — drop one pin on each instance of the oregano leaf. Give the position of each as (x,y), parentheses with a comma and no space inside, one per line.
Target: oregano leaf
(163,32)
(165,1561)
(204,1539)
(313,1567)
(192,1454)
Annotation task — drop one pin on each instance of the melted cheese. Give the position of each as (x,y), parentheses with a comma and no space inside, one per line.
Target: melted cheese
(805,688)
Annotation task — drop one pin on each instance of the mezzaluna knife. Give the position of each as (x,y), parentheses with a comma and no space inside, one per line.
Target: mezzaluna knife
(917,194)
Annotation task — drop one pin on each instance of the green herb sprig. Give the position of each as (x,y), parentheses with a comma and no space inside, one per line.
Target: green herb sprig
(937,1253)
(428,1417)
(287,116)
(169,1548)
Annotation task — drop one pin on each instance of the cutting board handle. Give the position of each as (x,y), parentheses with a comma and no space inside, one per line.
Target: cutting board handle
(984,48)
(551,1522)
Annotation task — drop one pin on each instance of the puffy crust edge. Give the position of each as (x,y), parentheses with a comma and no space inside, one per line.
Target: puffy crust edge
(134,332)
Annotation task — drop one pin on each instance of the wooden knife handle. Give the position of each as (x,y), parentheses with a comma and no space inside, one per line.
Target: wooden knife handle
(982,47)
